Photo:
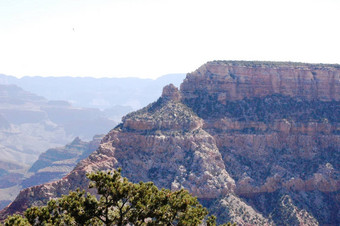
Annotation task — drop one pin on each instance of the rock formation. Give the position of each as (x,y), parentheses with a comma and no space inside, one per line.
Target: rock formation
(56,163)
(257,142)
(52,165)
(30,124)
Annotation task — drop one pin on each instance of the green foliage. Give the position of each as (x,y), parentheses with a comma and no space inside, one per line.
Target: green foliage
(211,221)
(123,202)
(16,220)
(52,214)
(120,203)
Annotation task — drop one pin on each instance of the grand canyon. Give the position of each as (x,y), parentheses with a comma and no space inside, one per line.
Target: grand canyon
(257,142)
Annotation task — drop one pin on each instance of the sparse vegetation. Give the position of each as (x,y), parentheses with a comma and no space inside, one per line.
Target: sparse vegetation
(120,203)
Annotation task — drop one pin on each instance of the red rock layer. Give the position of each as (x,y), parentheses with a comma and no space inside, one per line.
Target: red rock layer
(239,80)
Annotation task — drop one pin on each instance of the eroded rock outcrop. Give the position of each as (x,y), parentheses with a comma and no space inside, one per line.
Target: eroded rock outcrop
(163,143)
(276,126)
(248,137)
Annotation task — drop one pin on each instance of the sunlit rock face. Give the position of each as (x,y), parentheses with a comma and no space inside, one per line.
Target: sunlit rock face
(277,127)
(257,142)
(236,80)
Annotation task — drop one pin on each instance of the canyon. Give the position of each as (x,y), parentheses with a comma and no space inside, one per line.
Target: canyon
(257,142)
(45,113)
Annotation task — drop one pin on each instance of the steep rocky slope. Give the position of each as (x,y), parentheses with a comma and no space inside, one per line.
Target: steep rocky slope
(257,142)
(286,213)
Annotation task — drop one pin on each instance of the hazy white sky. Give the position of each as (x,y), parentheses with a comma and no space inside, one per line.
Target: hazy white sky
(150,38)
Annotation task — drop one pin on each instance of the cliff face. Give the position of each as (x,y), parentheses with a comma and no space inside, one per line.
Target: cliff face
(257,142)
(233,80)
(277,127)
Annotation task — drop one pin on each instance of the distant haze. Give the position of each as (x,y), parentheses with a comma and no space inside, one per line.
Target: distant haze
(111,94)
(150,38)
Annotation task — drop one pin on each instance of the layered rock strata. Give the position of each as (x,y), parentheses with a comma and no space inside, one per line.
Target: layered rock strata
(260,140)
(277,127)
(237,80)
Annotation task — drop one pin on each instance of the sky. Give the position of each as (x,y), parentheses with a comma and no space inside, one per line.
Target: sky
(151,38)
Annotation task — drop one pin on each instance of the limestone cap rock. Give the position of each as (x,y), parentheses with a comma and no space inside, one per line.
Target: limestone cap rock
(171,92)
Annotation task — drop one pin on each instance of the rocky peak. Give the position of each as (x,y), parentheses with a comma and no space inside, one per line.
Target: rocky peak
(171,92)
(167,114)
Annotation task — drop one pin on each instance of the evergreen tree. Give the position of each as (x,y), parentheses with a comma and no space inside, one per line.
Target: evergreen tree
(120,203)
